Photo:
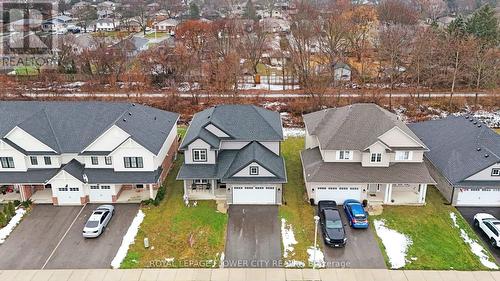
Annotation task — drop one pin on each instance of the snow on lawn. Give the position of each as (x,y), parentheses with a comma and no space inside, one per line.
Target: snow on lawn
(396,244)
(5,231)
(264,86)
(475,247)
(317,259)
(128,239)
(294,132)
(288,238)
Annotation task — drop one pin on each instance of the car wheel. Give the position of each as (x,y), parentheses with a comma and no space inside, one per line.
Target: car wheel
(493,242)
(476,223)
(350,223)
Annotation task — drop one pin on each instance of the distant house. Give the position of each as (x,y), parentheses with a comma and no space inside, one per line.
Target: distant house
(275,25)
(107,5)
(342,72)
(106,24)
(24,25)
(78,6)
(133,45)
(131,25)
(57,23)
(168,25)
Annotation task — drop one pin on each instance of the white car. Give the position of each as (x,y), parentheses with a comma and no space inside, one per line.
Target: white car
(98,221)
(490,226)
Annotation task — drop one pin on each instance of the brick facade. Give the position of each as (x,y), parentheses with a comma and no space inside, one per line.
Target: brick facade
(168,161)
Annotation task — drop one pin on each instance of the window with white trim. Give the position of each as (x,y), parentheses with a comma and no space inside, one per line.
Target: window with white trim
(254,170)
(133,162)
(7,162)
(200,181)
(376,157)
(344,155)
(34,160)
(94,160)
(107,160)
(199,155)
(495,172)
(47,160)
(403,155)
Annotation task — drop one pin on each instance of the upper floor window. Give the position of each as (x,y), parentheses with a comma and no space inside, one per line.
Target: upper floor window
(7,162)
(34,160)
(47,160)
(94,160)
(133,162)
(107,160)
(254,170)
(199,155)
(495,172)
(344,155)
(200,181)
(376,158)
(403,155)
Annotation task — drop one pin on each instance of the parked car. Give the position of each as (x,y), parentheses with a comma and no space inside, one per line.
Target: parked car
(490,226)
(332,227)
(356,214)
(98,221)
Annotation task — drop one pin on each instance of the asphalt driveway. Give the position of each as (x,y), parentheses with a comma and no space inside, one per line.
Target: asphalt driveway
(51,237)
(469,212)
(253,237)
(361,250)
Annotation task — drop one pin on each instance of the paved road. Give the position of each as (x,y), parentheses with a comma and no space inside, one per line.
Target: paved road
(361,250)
(77,252)
(469,212)
(32,241)
(253,236)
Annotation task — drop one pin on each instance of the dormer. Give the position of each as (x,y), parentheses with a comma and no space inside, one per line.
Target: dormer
(27,142)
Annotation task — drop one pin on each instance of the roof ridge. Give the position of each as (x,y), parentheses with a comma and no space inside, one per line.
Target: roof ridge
(51,128)
(269,125)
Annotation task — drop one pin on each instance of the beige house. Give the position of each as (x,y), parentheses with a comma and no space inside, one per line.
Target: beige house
(363,152)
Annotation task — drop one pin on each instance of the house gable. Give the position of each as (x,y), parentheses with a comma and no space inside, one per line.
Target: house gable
(109,140)
(485,174)
(262,171)
(26,141)
(396,137)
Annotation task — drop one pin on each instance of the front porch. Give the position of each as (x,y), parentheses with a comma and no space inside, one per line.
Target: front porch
(204,189)
(42,196)
(136,193)
(396,194)
(9,193)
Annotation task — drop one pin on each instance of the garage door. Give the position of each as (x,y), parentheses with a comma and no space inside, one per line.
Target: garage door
(478,197)
(68,196)
(254,195)
(337,194)
(100,193)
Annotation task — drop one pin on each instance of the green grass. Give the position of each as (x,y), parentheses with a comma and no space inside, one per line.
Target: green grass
(497,130)
(26,70)
(297,211)
(436,244)
(192,236)
(158,35)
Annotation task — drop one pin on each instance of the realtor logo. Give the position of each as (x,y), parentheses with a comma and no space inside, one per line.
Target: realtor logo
(24,44)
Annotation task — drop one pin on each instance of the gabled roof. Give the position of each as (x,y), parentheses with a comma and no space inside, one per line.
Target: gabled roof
(454,142)
(240,122)
(353,127)
(69,127)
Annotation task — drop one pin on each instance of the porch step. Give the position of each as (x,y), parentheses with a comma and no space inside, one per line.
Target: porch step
(375,209)
(221,206)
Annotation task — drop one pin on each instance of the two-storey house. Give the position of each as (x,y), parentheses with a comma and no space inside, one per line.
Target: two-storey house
(232,153)
(70,153)
(464,159)
(363,152)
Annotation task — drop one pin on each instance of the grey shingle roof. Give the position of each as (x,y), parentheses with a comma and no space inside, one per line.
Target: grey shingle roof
(102,176)
(232,161)
(32,176)
(75,168)
(453,144)
(69,127)
(240,122)
(353,127)
(318,171)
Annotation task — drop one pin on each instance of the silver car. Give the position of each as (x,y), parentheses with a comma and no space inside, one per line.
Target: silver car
(98,221)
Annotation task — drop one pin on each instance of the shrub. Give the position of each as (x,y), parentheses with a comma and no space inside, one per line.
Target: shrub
(11,209)
(3,220)
(26,204)
(6,214)
(17,203)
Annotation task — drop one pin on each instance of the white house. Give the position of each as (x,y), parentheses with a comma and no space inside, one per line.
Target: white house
(168,25)
(363,152)
(232,153)
(71,153)
(106,24)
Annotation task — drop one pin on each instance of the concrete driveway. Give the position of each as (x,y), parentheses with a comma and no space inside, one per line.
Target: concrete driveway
(51,238)
(253,236)
(361,250)
(469,212)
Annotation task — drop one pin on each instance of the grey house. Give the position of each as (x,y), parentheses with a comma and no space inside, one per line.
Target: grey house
(464,159)
(232,153)
(363,152)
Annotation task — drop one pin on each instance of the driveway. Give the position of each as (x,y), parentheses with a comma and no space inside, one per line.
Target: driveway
(469,212)
(361,250)
(253,237)
(51,238)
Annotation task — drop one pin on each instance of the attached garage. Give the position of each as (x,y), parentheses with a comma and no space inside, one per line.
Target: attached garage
(258,195)
(338,194)
(478,197)
(68,195)
(101,193)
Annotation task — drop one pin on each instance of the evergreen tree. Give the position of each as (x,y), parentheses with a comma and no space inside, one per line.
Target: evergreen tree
(6,213)
(457,28)
(484,25)
(194,11)
(3,220)
(250,11)
(12,209)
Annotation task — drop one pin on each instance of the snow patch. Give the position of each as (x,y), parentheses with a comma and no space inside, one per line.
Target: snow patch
(269,87)
(294,132)
(475,247)
(128,240)
(5,231)
(396,244)
(288,238)
(317,259)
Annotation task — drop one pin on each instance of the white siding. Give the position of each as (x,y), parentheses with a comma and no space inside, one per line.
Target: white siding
(199,144)
(311,141)
(55,161)
(19,158)
(87,161)
(216,131)
(485,175)
(375,148)
(396,137)
(109,140)
(232,145)
(274,146)
(131,148)
(245,172)
(331,156)
(26,141)
(417,157)
(63,179)
(166,146)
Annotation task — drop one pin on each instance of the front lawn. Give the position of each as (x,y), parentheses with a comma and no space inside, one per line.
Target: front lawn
(437,243)
(297,211)
(178,236)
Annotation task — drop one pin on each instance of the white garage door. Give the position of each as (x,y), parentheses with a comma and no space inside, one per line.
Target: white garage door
(337,194)
(100,193)
(478,197)
(254,195)
(68,196)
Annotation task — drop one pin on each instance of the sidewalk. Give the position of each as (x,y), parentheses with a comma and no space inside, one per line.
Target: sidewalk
(246,274)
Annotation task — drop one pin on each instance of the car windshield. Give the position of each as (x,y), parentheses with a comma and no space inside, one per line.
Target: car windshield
(333,224)
(92,224)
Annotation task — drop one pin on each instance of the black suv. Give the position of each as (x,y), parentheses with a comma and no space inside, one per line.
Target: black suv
(331,224)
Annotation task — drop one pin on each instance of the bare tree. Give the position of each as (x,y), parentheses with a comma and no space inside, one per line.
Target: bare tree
(253,44)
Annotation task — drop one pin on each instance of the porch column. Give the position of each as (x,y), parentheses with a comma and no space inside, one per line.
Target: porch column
(151,195)
(388,193)
(213,187)
(20,187)
(185,189)
(422,193)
